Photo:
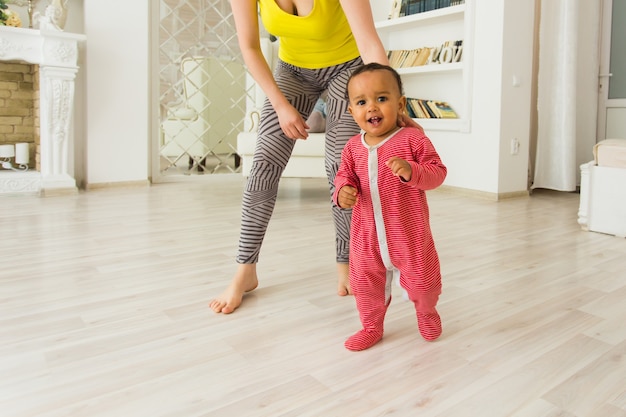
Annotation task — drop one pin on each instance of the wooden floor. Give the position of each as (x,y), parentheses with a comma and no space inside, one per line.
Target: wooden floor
(103,311)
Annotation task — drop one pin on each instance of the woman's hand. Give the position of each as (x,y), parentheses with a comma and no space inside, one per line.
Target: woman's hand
(292,124)
(405,121)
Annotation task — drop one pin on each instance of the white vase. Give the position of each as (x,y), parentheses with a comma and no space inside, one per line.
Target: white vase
(58,13)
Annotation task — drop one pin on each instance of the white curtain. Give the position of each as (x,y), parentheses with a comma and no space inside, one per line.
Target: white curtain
(567,91)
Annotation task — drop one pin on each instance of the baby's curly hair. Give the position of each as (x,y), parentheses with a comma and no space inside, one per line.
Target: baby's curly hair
(375,66)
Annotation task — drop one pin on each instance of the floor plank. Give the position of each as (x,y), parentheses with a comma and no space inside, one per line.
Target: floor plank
(103,311)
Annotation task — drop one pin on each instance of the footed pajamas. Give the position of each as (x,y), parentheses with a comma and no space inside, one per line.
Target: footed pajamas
(390,232)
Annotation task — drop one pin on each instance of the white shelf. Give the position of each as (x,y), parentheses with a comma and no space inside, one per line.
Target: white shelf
(449,125)
(424,69)
(450,82)
(436,16)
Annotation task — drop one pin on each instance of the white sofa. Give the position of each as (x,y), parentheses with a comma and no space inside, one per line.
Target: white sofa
(307,159)
(603,189)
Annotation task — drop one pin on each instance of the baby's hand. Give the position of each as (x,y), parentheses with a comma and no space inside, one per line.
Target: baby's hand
(399,167)
(347,197)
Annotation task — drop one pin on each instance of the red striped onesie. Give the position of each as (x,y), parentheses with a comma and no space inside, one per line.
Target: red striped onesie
(390,233)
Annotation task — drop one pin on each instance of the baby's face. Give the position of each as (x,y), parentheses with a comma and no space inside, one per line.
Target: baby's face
(375,102)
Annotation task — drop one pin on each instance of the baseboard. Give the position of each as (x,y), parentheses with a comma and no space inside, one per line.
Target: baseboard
(58,192)
(484,195)
(121,184)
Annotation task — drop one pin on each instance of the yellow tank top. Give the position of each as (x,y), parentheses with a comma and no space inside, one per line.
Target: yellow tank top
(321,39)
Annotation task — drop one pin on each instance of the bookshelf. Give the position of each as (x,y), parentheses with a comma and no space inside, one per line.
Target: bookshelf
(450,82)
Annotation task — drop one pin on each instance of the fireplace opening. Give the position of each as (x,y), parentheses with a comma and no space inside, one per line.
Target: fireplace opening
(19,107)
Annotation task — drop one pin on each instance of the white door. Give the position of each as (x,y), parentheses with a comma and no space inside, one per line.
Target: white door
(612,91)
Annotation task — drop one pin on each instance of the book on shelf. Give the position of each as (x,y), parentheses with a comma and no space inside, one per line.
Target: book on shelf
(429,109)
(395,9)
(412,7)
(421,58)
(409,111)
(448,52)
(401,8)
(444,110)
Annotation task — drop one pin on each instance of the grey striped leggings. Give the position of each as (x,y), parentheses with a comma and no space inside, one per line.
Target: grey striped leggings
(302,87)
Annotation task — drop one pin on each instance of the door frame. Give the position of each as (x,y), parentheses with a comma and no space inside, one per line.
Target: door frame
(604,74)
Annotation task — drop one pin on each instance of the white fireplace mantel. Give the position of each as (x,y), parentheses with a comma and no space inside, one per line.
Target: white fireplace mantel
(56,53)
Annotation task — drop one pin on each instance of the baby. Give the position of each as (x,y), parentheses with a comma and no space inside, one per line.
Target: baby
(383,176)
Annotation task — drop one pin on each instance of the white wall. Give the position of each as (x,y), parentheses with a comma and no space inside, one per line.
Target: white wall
(75,24)
(117,85)
(516,87)
(588,71)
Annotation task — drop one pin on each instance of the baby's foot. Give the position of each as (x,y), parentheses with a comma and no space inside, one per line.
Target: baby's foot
(363,339)
(245,280)
(429,325)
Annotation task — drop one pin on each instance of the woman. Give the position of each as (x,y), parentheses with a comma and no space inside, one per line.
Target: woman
(321,43)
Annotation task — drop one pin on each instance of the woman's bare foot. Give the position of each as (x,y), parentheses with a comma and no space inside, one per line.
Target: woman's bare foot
(343,283)
(245,280)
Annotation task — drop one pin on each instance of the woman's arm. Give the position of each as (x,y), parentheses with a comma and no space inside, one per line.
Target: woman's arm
(359,14)
(247,25)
